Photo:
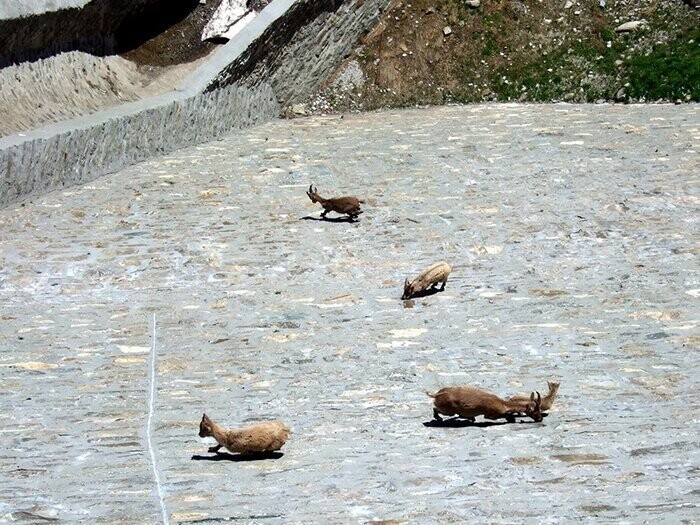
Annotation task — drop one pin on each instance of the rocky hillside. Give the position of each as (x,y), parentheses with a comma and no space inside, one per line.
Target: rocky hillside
(433,52)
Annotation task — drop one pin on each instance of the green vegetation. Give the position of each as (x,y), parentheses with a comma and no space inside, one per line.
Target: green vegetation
(516,50)
(671,71)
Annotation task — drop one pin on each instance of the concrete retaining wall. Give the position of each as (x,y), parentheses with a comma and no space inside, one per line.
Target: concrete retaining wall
(300,50)
(279,57)
(83,153)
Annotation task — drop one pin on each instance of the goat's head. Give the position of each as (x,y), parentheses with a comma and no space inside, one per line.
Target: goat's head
(313,193)
(533,409)
(553,387)
(205,427)
(407,290)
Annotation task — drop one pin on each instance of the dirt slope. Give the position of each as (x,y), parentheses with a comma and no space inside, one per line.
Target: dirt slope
(428,52)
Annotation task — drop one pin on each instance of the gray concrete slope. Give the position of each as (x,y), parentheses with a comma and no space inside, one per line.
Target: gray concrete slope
(573,232)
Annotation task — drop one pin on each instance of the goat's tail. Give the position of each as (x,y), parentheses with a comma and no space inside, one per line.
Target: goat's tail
(431,395)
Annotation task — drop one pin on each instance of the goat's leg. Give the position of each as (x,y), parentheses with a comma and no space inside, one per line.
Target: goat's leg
(443,286)
(323,214)
(214,449)
(436,415)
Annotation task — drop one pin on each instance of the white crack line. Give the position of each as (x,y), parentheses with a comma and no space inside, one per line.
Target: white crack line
(149,437)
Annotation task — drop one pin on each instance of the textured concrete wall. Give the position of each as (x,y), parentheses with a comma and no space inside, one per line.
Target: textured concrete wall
(103,145)
(279,57)
(300,50)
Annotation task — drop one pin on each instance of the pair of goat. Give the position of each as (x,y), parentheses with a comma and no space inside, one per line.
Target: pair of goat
(465,402)
(430,277)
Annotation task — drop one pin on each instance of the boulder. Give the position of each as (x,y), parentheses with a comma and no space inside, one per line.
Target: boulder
(628,27)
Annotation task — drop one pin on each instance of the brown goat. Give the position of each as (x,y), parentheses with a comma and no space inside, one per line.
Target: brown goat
(547,401)
(262,437)
(349,206)
(468,402)
(428,278)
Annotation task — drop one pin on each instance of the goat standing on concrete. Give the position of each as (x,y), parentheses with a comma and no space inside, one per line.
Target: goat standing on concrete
(468,402)
(349,206)
(262,437)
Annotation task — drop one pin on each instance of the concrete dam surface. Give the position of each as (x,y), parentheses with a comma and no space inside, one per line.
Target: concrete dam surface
(573,236)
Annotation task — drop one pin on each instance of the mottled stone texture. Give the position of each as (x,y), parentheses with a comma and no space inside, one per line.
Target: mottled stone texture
(572,232)
(285,60)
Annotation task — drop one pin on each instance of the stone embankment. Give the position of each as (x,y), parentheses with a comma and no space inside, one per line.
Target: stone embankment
(572,231)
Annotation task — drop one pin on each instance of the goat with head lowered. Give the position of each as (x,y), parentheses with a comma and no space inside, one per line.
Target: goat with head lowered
(349,206)
(468,402)
(428,278)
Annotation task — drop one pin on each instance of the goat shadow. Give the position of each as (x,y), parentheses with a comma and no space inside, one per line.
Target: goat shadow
(330,219)
(456,422)
(425,293)
(237,458)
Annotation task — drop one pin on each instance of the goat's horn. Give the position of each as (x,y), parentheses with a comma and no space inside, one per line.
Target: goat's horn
(539,397)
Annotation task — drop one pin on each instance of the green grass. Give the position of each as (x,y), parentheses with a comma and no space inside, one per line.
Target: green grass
(671,71)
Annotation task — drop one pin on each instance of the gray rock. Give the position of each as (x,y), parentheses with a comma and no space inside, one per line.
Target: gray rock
(629,27)
(518,7)
(224,21)
(473,3)
(299,109)
(447,30)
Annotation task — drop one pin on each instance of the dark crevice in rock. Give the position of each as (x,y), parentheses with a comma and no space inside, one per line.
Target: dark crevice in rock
(102,27)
